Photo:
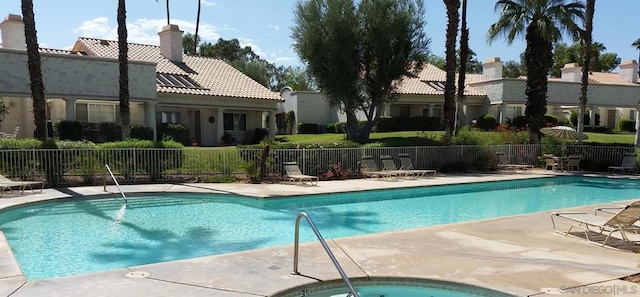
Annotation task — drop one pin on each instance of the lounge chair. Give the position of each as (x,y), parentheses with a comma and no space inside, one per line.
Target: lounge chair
(629,165)
(370,169)
(390,166)
(624,220)
(505,164)
(6,183)
(573,162)
(12,135)
(551,162)
(294,175)
(407,164)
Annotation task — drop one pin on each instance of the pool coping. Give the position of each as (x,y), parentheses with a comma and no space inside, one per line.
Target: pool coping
(494,253)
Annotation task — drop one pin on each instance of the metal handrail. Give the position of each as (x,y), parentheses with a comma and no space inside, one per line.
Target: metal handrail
(116,181)
(326,249)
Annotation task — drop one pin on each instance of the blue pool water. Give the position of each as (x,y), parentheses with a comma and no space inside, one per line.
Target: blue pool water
(71,237)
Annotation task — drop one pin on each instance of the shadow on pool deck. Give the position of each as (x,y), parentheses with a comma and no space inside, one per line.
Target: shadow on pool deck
(520,255)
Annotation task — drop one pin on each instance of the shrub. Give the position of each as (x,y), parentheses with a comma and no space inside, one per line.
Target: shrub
(627,125)
(259,134)
(69,130)
(110,131)
(307,128)
(154,163)
(487,122)
(335,171)
(176,131)
(290,120)
(142,132)
(520,122)
(385,125)
(550,121)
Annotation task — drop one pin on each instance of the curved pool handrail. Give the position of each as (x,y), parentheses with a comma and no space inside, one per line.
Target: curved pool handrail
(116,181)
(326,249)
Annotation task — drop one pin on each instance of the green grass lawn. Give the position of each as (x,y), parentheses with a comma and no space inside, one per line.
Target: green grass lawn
(425,138)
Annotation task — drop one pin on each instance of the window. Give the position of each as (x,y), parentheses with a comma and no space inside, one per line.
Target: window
(176,80)
(167,117)
(235,121)
(96,113)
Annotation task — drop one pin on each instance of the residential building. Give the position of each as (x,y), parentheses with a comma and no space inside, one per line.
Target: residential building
(207,95)
(614,96)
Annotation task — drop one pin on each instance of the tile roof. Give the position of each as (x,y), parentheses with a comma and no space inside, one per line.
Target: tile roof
(429,82)
(216,77)
(607,78)
(60,51)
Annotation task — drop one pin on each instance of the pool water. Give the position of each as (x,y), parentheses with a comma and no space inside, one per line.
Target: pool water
(393,288)
(75,236)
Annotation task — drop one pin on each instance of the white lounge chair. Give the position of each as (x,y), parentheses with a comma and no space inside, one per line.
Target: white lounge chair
(21,185)
(294,175)
(12,135)
(629,165)
(505,164)
(370,169)
(407,164)
(389,165)
(623,221)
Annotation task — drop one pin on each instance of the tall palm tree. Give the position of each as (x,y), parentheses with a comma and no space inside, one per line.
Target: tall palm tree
(35,71)
(586,62)
(450,67)
(636,44)
(125,113)
(195,39)
(542,22)
(464,56)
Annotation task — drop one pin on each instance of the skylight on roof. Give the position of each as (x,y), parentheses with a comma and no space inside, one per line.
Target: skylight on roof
(176,80)
(438,85)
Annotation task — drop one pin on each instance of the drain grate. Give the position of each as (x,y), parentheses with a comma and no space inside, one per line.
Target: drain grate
(138,274)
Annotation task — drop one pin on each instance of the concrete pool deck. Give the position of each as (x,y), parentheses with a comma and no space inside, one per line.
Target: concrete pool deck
(520,255)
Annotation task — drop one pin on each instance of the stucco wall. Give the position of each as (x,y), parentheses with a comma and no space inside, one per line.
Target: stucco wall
(75,76)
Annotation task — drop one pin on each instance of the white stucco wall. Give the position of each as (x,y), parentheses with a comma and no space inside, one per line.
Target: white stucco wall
(75,76)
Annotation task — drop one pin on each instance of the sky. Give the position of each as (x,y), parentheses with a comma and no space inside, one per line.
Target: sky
(265,25)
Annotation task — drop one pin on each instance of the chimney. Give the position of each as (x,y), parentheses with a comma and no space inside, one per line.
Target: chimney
(171,43)
(629,71)
(492,69)
(571,72)
(12,29)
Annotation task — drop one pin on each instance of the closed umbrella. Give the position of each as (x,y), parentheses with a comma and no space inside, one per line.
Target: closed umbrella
(564,132)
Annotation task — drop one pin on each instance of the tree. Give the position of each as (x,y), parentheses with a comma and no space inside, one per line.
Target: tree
(542,22)
(464,56)
(636,44)
(123,59)
(188,42)
(513,69)
(195,39)
(599,60)
(450,67)
(359,56)
(586,62)
(35,71)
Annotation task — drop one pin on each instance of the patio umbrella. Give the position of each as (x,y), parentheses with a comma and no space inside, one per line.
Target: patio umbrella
(564,132)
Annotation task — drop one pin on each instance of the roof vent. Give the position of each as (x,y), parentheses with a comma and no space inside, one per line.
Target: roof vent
(104,42)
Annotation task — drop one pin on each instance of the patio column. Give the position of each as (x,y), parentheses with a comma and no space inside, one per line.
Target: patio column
(70,108)
(150,117)
(387,110)
(430,110)
(592,117)
(503,111)
(220,125)
(272,124)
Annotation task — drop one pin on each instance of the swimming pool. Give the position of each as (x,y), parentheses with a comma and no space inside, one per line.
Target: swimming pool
(71,237)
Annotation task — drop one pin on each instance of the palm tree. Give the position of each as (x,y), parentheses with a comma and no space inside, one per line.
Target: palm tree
(586,62)
(195,39)
(35,71)
(125,113)
(636,44)
(464,56)
(450,67)
(542,22)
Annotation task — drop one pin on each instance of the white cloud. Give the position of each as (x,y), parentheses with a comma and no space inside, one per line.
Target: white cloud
(143,31)
(204,2)
(274,27)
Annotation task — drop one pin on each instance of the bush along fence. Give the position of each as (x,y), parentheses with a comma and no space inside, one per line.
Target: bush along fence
(72,166)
